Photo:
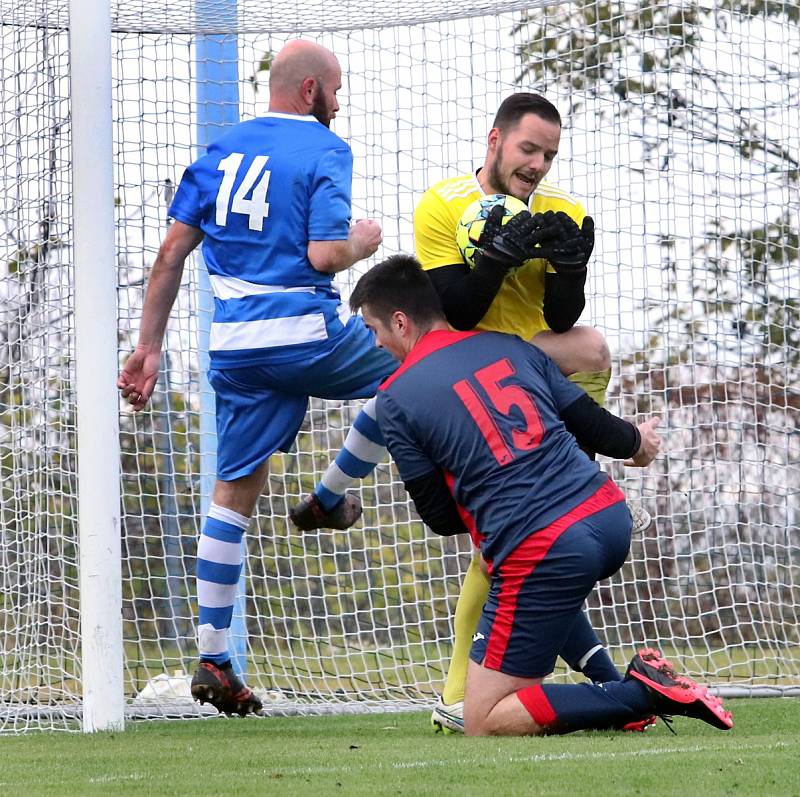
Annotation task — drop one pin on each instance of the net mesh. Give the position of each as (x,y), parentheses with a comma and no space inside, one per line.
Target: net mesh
(681,134)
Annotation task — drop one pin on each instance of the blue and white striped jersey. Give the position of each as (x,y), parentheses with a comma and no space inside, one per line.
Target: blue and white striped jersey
(260,194)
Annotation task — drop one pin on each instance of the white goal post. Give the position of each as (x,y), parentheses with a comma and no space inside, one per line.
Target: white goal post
(681,138)
(98,451)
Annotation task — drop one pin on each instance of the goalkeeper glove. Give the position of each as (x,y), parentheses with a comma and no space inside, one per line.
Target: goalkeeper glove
(559,240)
(507,245)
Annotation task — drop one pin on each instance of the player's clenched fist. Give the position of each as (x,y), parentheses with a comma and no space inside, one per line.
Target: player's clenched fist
(366,235)
(650,443)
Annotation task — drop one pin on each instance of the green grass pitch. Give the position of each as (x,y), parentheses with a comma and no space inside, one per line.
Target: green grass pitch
(397,754)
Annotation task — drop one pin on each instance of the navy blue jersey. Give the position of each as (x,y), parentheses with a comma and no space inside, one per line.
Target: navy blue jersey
(483,407)
(261,193)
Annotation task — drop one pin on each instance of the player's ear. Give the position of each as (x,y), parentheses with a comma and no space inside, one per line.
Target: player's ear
(308,88)
(493,139)
(399,320)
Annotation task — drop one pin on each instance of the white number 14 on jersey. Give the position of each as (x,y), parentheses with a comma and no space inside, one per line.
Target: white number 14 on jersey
(256,208)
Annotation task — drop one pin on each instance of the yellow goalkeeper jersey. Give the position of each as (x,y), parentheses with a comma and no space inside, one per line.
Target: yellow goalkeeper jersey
(518,306)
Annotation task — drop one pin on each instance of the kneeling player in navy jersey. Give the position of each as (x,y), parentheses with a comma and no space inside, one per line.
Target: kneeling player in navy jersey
(483,428)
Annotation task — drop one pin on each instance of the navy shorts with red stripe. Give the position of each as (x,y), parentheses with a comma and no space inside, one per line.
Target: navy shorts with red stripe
(539,589)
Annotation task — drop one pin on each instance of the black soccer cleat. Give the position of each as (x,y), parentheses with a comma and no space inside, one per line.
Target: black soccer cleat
(676,694)
(221,687)
(309,514)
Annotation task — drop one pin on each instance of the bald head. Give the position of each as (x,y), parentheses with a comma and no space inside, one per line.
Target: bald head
(298,60)
(304,79)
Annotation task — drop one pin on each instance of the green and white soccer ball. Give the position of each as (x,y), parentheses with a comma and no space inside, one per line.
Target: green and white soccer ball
(470,225)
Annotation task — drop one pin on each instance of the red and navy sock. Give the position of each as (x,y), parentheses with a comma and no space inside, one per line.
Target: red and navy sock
(562,708)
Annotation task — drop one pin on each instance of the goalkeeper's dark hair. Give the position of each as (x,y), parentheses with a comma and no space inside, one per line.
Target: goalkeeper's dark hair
(398,283)
(513,108)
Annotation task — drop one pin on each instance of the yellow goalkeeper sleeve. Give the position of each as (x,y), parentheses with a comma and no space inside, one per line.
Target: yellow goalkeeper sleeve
(474,592)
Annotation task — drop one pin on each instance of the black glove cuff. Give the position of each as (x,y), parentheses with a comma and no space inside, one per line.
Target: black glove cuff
(571,273)
(494,260)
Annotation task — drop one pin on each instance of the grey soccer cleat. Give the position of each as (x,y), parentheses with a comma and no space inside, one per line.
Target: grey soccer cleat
(309,514)
(221,687)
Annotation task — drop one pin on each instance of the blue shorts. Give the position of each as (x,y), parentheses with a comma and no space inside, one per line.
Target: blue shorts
(260,408)
(538,590)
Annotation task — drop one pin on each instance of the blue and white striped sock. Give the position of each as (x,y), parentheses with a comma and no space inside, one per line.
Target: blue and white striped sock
(219,565)
(363,449)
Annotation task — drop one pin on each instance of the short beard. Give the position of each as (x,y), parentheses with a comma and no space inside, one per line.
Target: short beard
(319,110)
(496,180)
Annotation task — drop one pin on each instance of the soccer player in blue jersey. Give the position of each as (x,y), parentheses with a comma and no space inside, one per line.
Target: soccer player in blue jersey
(270,202)
(483,428)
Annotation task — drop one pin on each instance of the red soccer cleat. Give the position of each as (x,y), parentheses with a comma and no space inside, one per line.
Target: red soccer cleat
(640,726)
(676,694)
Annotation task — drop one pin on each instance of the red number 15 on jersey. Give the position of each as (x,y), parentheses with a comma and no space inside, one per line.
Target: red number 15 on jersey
(504,398)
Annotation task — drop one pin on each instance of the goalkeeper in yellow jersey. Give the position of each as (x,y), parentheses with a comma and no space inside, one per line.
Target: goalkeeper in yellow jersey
(540,301)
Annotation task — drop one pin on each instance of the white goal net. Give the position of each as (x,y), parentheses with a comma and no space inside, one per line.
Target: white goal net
(682,139)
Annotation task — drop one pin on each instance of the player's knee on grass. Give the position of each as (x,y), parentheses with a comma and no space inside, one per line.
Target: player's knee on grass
(492,706)
(476,718)
(508,717)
